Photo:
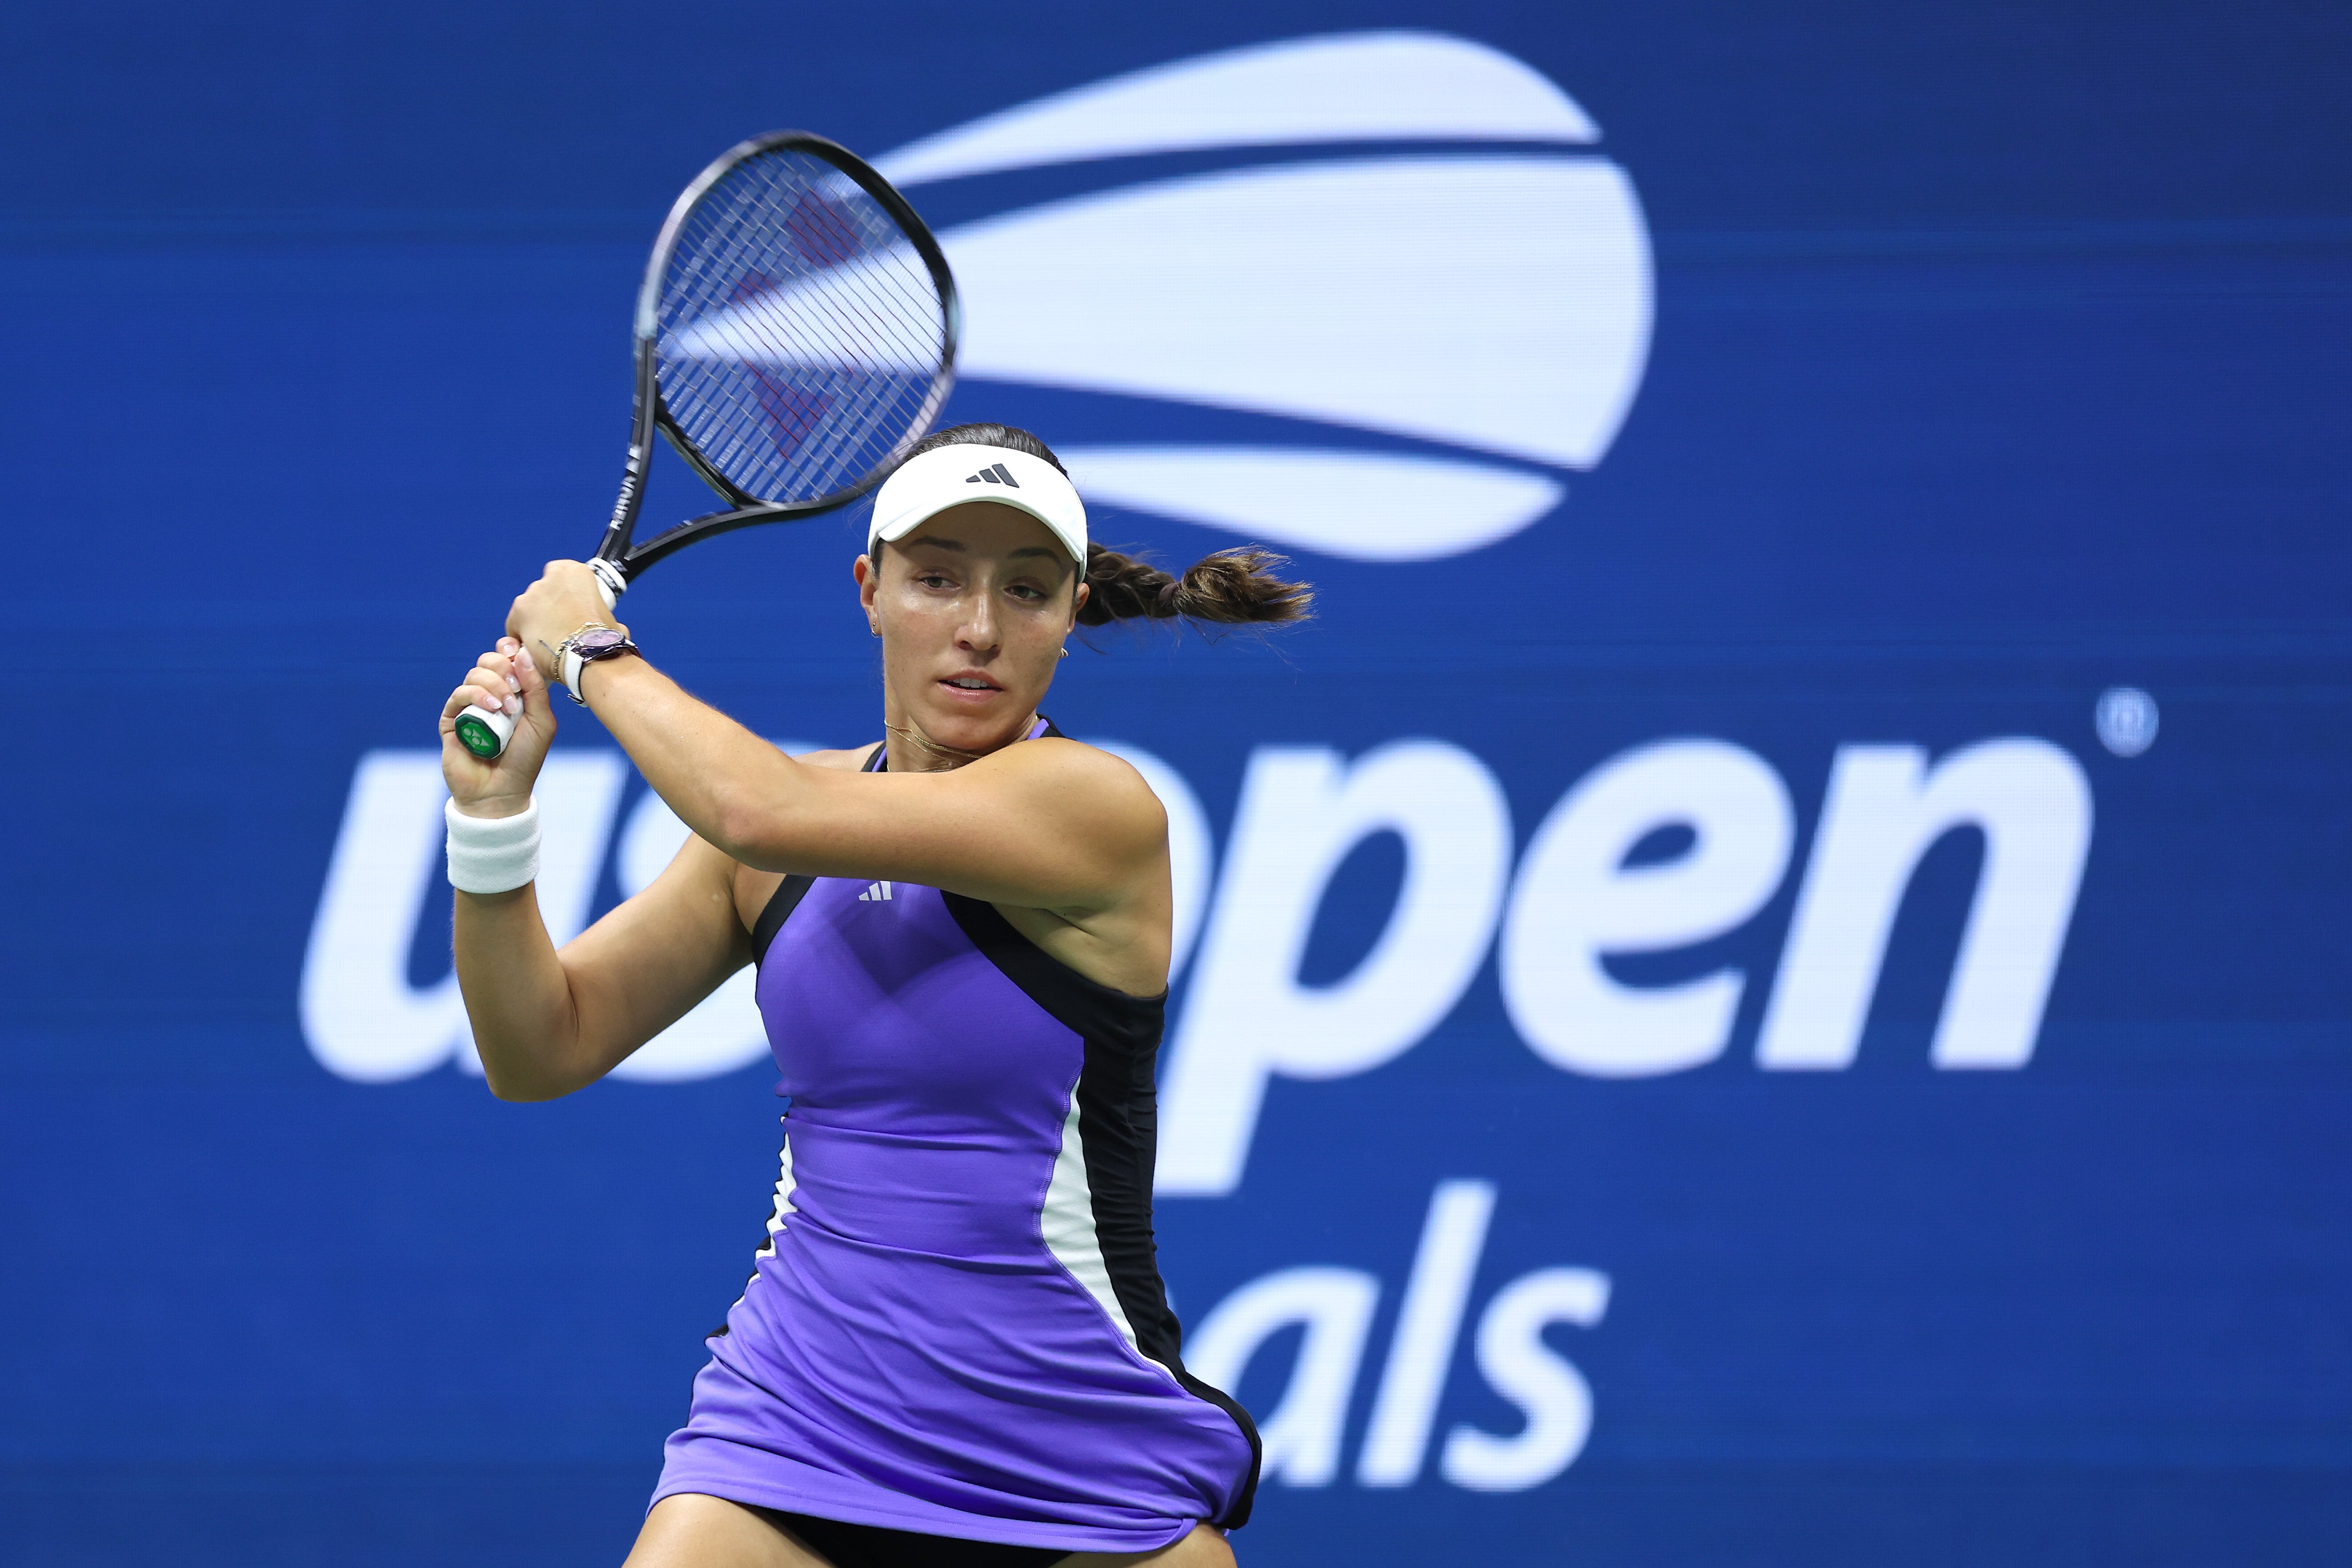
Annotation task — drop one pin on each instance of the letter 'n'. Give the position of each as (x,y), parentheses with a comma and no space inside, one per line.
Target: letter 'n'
(1885,808)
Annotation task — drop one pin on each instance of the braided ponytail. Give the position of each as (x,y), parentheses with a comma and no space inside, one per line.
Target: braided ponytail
(1231,587)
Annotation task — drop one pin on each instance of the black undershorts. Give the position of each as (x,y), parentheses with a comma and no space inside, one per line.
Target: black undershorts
(871,1546)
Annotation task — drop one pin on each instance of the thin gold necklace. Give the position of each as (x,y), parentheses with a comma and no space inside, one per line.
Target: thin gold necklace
(957,757)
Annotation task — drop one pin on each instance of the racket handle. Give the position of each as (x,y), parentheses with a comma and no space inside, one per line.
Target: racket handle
(609,581)
(485,732)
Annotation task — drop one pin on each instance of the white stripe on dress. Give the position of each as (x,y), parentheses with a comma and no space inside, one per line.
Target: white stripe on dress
(783,1194)
(1067,1223)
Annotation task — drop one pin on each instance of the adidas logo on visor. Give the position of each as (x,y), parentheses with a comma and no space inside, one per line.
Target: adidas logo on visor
(995,474)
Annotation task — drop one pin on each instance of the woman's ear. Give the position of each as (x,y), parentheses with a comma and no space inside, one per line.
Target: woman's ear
(869,579)
(1078,601)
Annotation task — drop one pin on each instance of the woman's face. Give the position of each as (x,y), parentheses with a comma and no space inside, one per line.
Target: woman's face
(973,608)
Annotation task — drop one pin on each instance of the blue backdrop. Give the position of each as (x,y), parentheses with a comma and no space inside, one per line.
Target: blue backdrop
(1769,979)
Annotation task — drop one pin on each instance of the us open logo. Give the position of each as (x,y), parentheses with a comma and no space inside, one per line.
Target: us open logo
(1425,347)
(1487,301)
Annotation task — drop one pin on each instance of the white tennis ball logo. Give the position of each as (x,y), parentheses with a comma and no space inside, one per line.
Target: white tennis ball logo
(1497,304)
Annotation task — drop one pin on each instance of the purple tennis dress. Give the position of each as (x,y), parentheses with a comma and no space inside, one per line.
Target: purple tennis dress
(956,1325)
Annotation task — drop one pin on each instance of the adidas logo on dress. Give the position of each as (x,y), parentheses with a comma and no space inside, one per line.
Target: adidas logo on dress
(995,474)
(876,893)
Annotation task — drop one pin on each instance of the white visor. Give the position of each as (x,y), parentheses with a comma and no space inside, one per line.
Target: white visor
(932,482)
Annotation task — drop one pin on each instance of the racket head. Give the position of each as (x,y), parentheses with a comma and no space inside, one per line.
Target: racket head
(796,329)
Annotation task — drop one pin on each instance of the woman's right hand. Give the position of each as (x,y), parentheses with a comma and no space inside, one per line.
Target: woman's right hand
(505,678)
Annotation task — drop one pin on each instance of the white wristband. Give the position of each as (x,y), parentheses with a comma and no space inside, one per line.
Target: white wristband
(492,854)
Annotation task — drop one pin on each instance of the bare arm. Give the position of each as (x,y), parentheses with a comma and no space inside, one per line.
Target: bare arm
(545,1022)
(1050,824)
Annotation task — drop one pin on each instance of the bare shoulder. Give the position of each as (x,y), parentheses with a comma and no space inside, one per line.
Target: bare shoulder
(1090,782)
(849,760)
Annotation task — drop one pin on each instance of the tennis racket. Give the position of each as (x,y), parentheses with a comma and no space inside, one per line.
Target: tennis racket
(795,334)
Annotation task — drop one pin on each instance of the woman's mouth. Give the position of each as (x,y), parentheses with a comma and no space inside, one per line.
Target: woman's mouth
(971,688)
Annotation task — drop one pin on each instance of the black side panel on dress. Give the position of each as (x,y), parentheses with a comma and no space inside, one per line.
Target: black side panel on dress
(1118,1128)
(790,893)
(780,906)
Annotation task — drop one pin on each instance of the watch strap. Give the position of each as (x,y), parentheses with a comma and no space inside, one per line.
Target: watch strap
(576,659)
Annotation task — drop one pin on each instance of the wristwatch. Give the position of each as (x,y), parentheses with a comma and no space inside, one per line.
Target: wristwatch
(585,646)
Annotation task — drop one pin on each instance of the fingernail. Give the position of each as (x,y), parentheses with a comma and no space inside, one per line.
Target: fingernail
(512,684)
(514,707)
(523,654)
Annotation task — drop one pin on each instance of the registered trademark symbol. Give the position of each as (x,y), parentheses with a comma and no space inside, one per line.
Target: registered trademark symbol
(2127,720)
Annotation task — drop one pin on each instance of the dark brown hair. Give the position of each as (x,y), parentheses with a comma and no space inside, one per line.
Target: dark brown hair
(1231,587)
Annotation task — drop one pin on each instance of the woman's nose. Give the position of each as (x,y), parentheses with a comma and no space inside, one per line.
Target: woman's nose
(979,623)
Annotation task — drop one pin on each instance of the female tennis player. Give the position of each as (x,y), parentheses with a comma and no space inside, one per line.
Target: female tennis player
(954,1348)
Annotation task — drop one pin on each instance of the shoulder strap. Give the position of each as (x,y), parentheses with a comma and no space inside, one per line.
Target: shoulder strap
(793,889)
(779,908)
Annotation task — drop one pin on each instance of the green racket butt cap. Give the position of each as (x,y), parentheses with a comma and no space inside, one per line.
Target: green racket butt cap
(482,732)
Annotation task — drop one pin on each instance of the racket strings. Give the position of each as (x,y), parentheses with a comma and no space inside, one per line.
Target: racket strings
(803,338)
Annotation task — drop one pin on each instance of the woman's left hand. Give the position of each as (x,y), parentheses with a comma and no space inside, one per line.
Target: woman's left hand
(565,598)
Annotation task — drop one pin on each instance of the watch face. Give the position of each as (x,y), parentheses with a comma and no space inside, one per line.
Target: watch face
(594,645)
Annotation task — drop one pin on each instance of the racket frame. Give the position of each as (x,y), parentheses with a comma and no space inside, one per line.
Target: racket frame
(619,560)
